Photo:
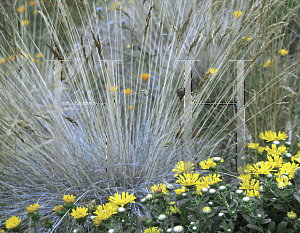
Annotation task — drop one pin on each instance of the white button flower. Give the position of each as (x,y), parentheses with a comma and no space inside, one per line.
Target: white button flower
(246,199)
(212,191)
(162,217)
(178,229)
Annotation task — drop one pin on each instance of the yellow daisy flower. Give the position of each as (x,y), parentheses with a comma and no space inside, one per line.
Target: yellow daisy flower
(32,208)
(253,146)
(13,222)
(291,214)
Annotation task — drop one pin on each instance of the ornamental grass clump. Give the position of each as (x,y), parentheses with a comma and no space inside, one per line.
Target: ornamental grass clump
(203,203)
(38,168)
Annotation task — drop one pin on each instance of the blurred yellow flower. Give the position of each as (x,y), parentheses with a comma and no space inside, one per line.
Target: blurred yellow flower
(129,107)
(113,7)
(237,14)
(124,8)
(283,52)
(145,76)
(260,150)
(269,63)
(12,57)
(128,46)
(25,22)
(35,12)
(38,55)
(130,2)
(291,214)
(213,71)
(2,60)
(249,38)
(253,146)
(21,9)
(41,63)
(13,222)
(114,89)
(33,208)
(127,91)
(58,4)
(69,199)
(32,3)
(298,144)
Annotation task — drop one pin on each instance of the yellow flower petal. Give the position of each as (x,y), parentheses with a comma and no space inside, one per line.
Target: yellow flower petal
(269,63)
(127,91)
(213,71)
(283,52)
(145,76)
(237,14)
(32,3)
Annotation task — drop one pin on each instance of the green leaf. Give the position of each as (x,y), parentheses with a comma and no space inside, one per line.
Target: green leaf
(271,226)
(246,217)
(281,227)
(254,227)
(297,197)
(290,230)
(264,221)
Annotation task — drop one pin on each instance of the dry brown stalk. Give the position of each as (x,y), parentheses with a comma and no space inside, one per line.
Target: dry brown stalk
(226,32)
(147,22)
(132,36)
(71,120)
(195,41)
(181,31)
(92,59)
(83,48)
(217,8)
(6,32)
(9,5)
(125,13)
(262,12)
(98,45)
(201,82)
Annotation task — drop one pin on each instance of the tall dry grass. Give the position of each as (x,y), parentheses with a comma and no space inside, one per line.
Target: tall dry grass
(147,146)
